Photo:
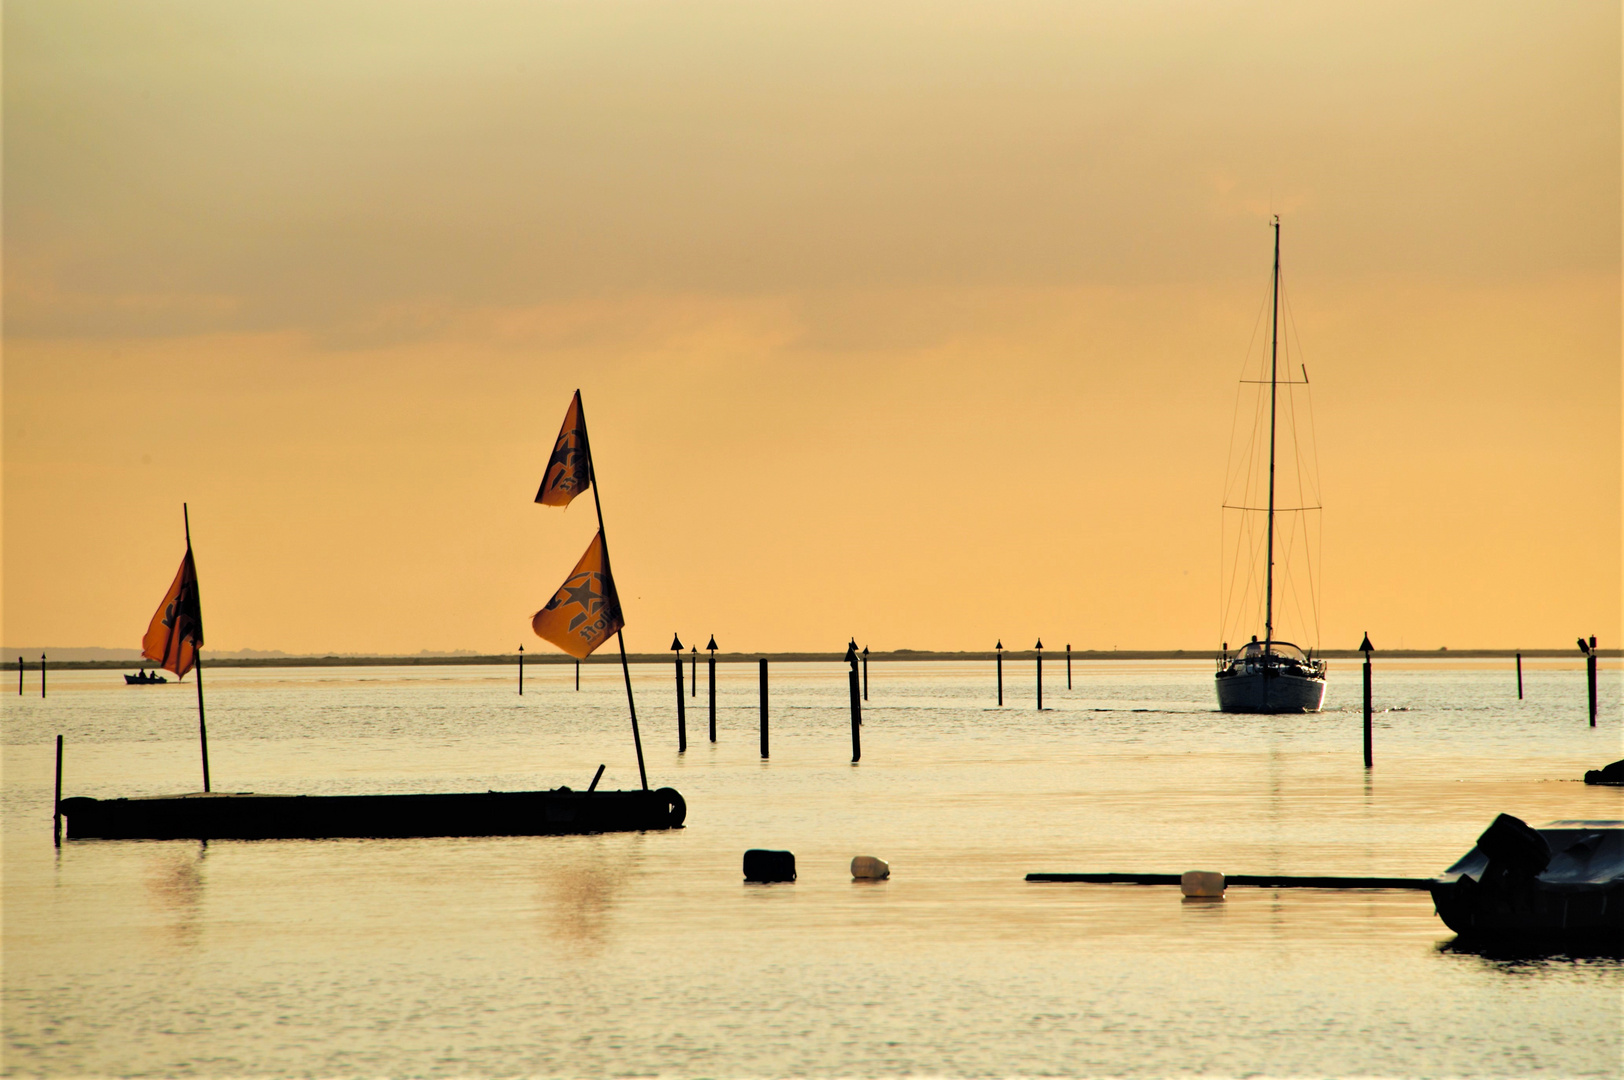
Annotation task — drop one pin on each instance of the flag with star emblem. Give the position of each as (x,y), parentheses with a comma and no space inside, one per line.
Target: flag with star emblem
(176,631)
(585,611)
(567,474)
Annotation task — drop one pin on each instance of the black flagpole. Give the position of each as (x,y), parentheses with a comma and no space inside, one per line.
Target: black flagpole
(620,636)
(197,652)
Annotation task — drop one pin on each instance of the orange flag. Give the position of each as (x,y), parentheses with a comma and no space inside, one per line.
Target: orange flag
(567,474)
(585,611)
(176,632)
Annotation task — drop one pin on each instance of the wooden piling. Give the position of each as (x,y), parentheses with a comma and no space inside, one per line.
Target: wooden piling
(1040,674)
(1000,648)
(682,711)
(865,672)
(521,671)
(711,684)
(1590,676)
(1519,675)
(577,675)
(42,677)
(1365,647)
(763,708)
(19,676)
(693,670)
(1068,665)
(856,703)
(56,806)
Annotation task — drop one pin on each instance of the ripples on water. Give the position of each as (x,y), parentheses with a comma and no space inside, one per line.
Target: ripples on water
(646,955)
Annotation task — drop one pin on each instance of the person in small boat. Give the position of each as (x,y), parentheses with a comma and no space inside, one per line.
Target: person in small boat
(141,676)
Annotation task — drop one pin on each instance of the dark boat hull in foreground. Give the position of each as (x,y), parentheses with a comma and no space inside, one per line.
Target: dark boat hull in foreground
(247,816)
(1559,884)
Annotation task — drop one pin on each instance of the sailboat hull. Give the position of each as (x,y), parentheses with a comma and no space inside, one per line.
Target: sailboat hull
(1270,691)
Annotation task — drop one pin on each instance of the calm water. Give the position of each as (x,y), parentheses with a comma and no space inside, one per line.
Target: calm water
(646,955)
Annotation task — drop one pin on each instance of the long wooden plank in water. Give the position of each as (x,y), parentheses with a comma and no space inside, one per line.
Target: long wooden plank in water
(1261,881)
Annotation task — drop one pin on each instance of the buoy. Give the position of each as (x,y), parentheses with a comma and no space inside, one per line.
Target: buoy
(1202,883)
(763,865)
(868,868)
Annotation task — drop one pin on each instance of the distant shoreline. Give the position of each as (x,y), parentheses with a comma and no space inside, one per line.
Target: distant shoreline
(1053,655)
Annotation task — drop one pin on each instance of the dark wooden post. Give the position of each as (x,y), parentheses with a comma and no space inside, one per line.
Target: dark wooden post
(711,685)
(1040,674)
(1000,648)
(1519,675)
(856,703)
(1365,647)
(1068,665)
(693,670)
(521,671)
(764,707)
(41,674)
(865,672)
(577,675)
(682,711)
(56,807)
(19,676)
(1590,674)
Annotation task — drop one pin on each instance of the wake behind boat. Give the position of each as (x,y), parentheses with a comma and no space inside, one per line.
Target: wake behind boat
(1269,676)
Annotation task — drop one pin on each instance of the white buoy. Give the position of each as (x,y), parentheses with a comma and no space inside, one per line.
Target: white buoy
(1202,883)
(868,868)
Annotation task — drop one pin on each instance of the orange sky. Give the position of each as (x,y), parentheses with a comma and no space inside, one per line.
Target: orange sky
(920,324)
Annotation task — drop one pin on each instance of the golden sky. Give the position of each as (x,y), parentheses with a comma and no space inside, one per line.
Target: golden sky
(915,322)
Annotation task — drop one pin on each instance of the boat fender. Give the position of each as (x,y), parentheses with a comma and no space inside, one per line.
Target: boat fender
(868,868)
(676,807)
(1205,884)
(1514,848)
(763,865)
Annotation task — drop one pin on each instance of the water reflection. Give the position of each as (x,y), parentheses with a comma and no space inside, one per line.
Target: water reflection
(581,891)
(1527,958)
(175,882)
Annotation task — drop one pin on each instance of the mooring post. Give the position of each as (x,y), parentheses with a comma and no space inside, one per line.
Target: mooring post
(764,707)
(682,713)
(693,670)
(1365,647)
(42,680)
(19,676)
(577,675)
(865,672)
(1519,675)
(1040,674)
(1590,675)
(1000,648)
(521,671)
(856,703)
(711,684)
(1068,665)
(56,806)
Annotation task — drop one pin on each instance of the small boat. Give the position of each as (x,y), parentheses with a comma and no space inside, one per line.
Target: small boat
(1270,676)
(144,678)
(1562,883)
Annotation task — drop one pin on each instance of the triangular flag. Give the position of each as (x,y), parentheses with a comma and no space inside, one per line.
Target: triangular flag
(567,474)
(586,610)
(176,632)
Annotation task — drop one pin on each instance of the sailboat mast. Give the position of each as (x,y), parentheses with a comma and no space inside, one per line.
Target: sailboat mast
(1274,367)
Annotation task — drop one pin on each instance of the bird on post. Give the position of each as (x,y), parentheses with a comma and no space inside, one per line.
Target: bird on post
(1584,648)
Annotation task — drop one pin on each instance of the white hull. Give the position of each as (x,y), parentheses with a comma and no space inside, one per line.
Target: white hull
(1271,691)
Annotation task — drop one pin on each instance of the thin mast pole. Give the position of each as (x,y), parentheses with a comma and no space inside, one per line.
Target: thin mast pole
(1274,364)
(197,657)
(625,668)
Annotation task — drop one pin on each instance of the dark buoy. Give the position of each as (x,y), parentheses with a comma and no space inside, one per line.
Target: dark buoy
(763,865)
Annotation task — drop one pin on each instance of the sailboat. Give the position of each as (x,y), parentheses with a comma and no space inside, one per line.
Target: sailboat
(1271,675)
